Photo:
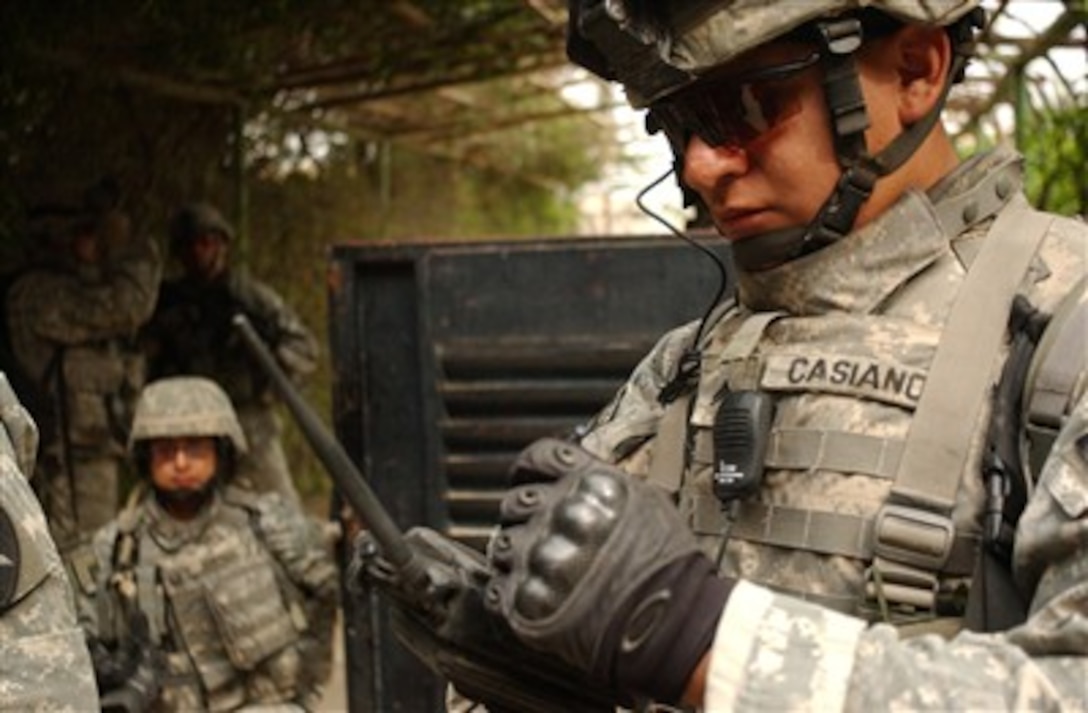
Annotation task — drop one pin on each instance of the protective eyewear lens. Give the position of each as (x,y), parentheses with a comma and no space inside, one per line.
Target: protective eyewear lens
(733,111)
(193,448)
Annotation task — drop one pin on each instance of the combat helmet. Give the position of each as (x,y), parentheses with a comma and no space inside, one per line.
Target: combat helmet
(52,226)
(184,406)
(196,219)
(657,48)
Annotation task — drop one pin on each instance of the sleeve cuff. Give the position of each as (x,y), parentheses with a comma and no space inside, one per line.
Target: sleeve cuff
(775,652)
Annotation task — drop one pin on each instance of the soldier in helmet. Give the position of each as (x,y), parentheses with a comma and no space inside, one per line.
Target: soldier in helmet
(204,596)
(72,318)
(831,507)
(190,333)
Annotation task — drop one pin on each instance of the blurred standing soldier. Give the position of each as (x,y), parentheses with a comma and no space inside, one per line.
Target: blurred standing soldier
(204,596)
(191,333)
(43,657)
(73,319)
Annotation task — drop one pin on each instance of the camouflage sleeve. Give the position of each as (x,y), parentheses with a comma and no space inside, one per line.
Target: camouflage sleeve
(294,539)
(63,308)
(291,341)
(89,569)
(44,664)
(774,652)
(631,417)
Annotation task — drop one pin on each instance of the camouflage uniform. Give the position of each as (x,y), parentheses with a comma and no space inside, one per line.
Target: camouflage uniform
(73,331)
(224,647)
(44,658)
(196,580)
(191,333)
(843,339)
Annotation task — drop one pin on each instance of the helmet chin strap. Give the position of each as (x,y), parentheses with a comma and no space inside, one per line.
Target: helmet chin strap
(849,120)
(187,499)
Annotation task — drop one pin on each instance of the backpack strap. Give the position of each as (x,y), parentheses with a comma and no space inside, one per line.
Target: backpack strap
(1057,376)
(914,532)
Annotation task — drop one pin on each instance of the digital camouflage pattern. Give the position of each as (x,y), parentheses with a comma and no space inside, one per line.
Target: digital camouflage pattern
(191,333)
(702,35)
(185,406)
(245,607)
(195,580)
(73,330)
(44,664)
(843,338)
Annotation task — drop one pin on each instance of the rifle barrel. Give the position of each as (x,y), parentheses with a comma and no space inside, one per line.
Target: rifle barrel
(340,467)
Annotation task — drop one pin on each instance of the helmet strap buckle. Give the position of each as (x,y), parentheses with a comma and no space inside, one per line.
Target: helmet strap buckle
(841,36)
(842,88)
(837,217)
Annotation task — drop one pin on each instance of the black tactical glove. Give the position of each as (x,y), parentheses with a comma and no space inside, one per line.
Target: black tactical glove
(130,676)
(112,666)
(438,613)
(138,693)
(599,569)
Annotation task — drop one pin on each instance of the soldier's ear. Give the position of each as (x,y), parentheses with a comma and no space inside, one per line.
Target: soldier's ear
(922,57)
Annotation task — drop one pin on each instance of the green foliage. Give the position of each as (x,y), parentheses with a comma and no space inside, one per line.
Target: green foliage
(1056,152)
(194,100)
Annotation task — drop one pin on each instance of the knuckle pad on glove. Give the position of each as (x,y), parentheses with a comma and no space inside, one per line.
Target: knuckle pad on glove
(519,504)
(505,545)
(581,523)
(547,459)
(545,579)
(589,512)
(536,598)
(556,560)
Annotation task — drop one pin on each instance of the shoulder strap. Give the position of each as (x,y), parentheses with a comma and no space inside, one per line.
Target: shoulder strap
(669,460)
(131,583)
(125,555)
(1057,374)
(914,533)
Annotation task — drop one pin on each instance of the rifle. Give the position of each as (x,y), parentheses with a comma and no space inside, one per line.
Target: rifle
(436,589)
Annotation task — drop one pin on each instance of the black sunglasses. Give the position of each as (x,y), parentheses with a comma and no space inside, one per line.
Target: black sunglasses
(731,111)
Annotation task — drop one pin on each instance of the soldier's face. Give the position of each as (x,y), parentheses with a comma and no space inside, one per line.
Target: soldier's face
(184,464)
(206,257)
(85,247)
(781,176)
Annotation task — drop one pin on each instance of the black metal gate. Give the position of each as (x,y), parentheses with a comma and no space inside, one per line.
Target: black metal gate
(449,358)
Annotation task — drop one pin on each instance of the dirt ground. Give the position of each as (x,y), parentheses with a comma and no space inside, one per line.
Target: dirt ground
(336,694)
(335,699)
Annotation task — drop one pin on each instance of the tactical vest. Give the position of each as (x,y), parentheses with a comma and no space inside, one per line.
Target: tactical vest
(217,604)
(921,563)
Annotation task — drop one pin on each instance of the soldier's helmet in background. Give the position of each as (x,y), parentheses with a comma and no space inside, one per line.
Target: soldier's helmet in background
(185,406)
(194,220)
(52,225)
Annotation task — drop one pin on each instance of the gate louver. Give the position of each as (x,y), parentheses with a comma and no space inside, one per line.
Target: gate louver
(499,396)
